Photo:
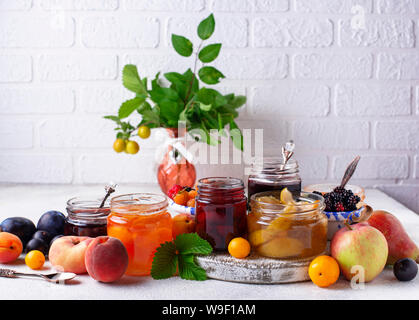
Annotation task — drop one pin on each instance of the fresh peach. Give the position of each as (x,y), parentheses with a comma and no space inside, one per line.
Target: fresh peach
(68,253)
(183,223)
(10,247)
(106,259)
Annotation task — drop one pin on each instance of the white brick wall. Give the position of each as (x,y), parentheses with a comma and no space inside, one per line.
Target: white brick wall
(308,74)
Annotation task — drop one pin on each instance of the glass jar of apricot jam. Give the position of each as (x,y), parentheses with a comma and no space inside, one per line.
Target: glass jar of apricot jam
(141,221)
(85,218)
(285,231)
(270,173)
(221,210)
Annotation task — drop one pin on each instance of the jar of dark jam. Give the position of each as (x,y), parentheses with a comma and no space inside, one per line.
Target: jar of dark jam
(270,173)
(221,210)
(85,218)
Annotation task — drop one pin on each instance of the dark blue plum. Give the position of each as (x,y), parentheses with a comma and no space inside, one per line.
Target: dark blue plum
(55,238)
(37,244)
(42,235)
(52,222)
(19,226)
(405,269)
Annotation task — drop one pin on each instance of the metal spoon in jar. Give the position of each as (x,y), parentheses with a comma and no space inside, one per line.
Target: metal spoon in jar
(287,152)
(57,277)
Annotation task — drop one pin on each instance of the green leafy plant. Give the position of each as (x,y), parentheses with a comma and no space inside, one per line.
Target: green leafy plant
(185,99)
(179,254)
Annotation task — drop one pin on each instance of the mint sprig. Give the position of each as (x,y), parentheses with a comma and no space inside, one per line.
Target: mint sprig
(179,254)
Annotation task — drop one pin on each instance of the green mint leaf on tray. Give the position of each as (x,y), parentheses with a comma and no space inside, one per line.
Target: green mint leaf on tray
(165,261)
(180,254)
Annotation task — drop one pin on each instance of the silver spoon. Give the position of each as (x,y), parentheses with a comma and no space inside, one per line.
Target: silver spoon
(57,277)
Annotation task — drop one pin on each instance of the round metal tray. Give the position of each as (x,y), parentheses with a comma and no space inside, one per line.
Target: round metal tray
(254,269)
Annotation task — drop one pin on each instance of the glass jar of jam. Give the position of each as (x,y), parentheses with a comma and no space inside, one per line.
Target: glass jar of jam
(141,221)
(85,218)
(295,230)
(270,173)
(221,210)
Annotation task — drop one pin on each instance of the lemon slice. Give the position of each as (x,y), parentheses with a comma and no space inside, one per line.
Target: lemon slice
(286,197)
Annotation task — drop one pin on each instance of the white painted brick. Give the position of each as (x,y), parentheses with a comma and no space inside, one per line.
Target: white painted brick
(12,5)
(120,168)
(36,168)
(296,32)
(79,4)
(271,5)
(15,68)
(398,6)
(36,100)
(21,32)
(103,99)
(54,67)
(312,166)
(231,5)
(398,66)
(16,134)
(326,134)
(373,100)
(291,100)
(417,100)
(397,135)
(416,170)
(148,64)
(92,132)
(407,194)
(164,5)
(374,167)
(230,31)
(331,6)
(332,66)
(391,33)
(126,32)
(255,66)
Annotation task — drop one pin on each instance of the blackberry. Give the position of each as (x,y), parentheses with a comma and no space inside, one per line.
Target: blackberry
(340,199)
(339,189)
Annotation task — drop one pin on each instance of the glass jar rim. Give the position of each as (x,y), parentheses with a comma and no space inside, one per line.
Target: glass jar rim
(145,203)
(220,183)
(273,166)
(87,203)
(316,202)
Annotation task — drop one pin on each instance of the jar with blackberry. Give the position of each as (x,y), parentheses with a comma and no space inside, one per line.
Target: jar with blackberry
(270,173)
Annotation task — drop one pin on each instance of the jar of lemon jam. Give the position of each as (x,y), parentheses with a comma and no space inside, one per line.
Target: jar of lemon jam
(293,229)
(142,223)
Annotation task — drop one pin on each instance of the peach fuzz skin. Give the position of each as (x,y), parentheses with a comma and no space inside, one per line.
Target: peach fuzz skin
(10,247)
(106,259)
(68,253)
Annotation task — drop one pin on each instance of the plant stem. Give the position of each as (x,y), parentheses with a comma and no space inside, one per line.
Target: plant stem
(194,72)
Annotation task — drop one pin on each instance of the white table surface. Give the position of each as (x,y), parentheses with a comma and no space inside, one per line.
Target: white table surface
(32,200)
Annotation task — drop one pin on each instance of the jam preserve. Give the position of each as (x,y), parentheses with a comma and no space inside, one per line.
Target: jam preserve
(221,210)
(85,218)
(268,174)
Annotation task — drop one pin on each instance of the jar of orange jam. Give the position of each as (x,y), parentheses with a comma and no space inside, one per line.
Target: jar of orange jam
(142,223)
(294,230)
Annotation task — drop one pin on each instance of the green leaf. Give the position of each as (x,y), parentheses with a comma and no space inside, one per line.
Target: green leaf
(143,107)
(238,101)
(208,137)
(210,75)
(113,118)
(206,27)
(204,107)
(129,107)
(189,270)
(158,94)
(236,135)
(182,45)
(209,53)
(165,261)
(170,110)
(191,78)
(131,80)
(188,243)
(174,77)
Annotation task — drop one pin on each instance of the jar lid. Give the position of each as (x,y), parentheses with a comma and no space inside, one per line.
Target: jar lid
(220,183)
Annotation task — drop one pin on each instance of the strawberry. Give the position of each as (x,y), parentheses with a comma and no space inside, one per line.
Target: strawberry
(174,190)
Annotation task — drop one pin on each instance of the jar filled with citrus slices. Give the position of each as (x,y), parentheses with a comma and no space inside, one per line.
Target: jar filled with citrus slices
(142,223)
(283,226)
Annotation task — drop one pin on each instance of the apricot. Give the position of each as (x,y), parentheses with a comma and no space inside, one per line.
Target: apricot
(106,259)
(183,223)
(10,247)
(281,247)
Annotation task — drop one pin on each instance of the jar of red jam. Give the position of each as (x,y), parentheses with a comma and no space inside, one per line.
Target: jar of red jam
(86,218)
(270,173)
(221,210)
